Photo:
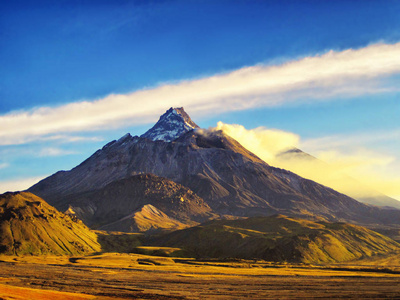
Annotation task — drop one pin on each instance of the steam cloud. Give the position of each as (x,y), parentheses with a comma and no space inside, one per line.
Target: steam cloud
(359,173)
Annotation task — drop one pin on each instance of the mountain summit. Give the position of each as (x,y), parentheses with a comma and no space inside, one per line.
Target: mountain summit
(171,125)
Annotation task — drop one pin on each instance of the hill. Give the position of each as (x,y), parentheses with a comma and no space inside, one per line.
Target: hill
(28,225)
(279,238)
(123,201)
(146,219)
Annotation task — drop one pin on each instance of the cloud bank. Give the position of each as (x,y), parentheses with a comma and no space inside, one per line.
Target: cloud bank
(346,73)
(346,167)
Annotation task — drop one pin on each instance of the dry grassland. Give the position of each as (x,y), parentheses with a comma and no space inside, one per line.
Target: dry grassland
(134,276)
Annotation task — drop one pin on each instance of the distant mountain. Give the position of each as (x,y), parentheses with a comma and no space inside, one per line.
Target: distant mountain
(230,179)
(279,238)
(28,225)
(171,125)
(332,178)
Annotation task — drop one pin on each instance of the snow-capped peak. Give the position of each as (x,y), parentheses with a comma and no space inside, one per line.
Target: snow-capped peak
(171,125)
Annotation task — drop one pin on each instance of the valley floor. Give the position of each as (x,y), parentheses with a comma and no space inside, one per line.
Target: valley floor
(133,276)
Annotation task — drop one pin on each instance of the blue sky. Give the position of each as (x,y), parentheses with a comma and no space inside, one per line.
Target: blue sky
(56,53)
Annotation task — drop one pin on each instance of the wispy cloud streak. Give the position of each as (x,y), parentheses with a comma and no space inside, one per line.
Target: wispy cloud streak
(346,73)
(354,140)
(51,151)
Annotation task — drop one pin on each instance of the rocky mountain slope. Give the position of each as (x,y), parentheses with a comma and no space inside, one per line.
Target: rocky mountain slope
(121,201)
(28,225)
(230,179)
(279,238)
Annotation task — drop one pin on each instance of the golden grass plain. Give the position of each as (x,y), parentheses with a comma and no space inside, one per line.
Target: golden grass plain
(138,276)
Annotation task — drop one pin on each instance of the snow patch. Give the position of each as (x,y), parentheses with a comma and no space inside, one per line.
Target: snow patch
(171,125)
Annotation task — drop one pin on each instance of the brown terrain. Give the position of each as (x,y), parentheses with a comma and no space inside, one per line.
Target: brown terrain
(333,260)
(329,260)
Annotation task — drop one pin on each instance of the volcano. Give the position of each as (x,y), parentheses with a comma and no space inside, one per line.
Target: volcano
(228,180)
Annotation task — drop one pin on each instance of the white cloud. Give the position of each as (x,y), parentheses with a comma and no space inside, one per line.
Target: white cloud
(19,184)
(61,138)
(51,151)
(4,165)
(346,73)
(71,139)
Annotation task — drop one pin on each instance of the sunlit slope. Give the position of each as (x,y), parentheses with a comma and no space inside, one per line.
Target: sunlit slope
(28,225)
(147,219)
(279,238)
